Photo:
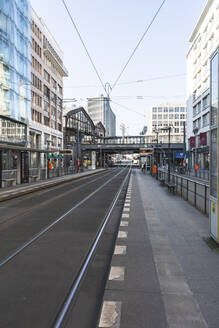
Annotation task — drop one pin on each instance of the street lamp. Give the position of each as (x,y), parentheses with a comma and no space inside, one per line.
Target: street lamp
(168,128)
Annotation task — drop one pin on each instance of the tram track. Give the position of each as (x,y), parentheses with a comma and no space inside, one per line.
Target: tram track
(76,184)
(30,258)
(56,221)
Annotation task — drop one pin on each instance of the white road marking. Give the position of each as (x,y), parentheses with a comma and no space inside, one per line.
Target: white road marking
(122,234)
(117,273)
(124,215)
(120,250)
(110,315)
(126,209)
(124,224)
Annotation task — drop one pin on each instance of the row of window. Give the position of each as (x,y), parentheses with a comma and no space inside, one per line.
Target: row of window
(53,140)
(168,109)
(36,65)
(170,116)
(36,116)
(36,82)
(201,122)
(36,99)
(36,30)
(165,123)
(201,105)
(35,46)
(54,84)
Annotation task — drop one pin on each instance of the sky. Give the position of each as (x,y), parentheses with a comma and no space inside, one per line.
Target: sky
(111,30)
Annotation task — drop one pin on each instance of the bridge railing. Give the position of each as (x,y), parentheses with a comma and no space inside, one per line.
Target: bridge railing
(149,139)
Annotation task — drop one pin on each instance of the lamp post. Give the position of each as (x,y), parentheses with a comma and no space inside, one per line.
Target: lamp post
(168,128)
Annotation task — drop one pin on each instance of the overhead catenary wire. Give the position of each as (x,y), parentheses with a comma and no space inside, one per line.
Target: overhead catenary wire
(138,44)
(83,43)
(131,82)
(127,108)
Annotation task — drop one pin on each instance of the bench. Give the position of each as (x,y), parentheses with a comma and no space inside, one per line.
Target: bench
(162,181)
(11,180)
(171,187)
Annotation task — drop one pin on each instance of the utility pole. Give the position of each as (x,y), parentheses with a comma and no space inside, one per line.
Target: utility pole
(169,128)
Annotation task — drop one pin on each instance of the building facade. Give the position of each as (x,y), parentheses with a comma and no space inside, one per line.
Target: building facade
(14,71)
(204,40)
(163,116)
(100,110)
(47,72)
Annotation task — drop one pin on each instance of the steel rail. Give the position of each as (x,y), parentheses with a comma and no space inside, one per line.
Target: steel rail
(60,317)
(103,174)
(42,232)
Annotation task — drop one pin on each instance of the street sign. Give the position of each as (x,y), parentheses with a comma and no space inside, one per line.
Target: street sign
(66,151)
(146,151)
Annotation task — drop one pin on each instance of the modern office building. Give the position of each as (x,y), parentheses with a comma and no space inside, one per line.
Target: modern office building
(160,117)
(14,72)
(204,40)
(47,72)
(100,110)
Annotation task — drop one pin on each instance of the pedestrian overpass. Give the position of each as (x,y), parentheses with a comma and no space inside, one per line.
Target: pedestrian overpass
(132,144)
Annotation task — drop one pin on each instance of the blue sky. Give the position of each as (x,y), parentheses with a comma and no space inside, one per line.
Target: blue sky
(111,30)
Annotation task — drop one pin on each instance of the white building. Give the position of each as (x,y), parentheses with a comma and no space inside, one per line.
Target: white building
(47,72)
(204,40)
(160,117)
(100,111)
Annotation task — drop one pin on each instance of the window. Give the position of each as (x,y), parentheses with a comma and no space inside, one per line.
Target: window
(182,109)
(46,121)
(154,116)
(205,120)
(53,82)
(60,89)
(176,123)
(176,109)
(176,116)
(176,130)
(53,111)
(165,110)
(171,116)
(205,101)
(46,106)
(46,139)
(160,109)
(53,97)
(46,93)
(46,76)
(171,109)
(165,116)
(159,116)
(182,116)
(53,124)
(154,109)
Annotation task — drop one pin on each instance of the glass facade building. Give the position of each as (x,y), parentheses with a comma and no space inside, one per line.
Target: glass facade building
(15,63)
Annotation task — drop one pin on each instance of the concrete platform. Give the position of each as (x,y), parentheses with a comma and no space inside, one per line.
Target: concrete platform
(163,274)
(26,188)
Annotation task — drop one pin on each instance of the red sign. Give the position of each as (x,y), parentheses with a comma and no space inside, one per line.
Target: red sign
(192,142)
(203,139)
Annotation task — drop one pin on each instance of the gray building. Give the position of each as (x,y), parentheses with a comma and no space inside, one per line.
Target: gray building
(100,111)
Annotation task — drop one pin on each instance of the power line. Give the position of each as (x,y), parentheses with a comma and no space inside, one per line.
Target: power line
(131,82)
(129,109)
(138,44)
(87,52)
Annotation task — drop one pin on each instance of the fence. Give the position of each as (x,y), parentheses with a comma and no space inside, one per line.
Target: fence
(191,190)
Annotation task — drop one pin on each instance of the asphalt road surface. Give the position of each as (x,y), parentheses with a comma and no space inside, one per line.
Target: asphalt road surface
(45,238)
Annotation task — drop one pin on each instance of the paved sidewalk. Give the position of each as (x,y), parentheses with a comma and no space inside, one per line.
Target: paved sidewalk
(22,189)
(163,274)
